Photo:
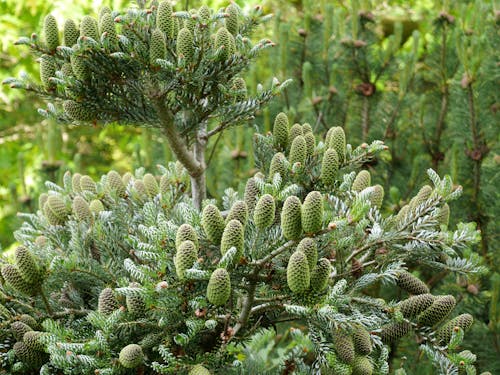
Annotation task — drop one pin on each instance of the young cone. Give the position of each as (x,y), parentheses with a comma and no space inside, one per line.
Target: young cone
(281,131)
(312,212)
(439,310)
(320,275)
(51,32)
(264,211)
(344,347)
(362,181)
(298,150)
(185,257)
(309,248)
(444,333)
(219,287)
(297,273)
(362,341)
(233,236)
(329,167)
(131,356)
(413,306)
(212,223)
(186,232)
(411,284)
(291,218)
(238,211)
(27,265)
(107,302)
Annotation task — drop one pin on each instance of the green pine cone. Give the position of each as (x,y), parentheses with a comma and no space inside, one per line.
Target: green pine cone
(219,287)
(87,184)
(32,340)
(107,302)
(310,142)
(233,236)
(31,358)
(411,284)
(18,330)
(362,181)
(51,218)
(135,303)
(185,45)
(71,33)
(140,189)
(239,211)
(13,277)
(225,41)
(329,167)
(362,366)
(401,216)
(81,72)
(309,248)
(27,265)
(291,218)
(75,183)
(204,14)
(29,321)
(164,18)
(126,178)
(164,184)
(190,23)
(443,216)
(47,70)
(151,185)
(440,309)
(186,256)
(278,166)
(184,233)
(51,32)
(423,194)
(265,210)
(281,131)
(96,206)
(56,205)
(212,223)
(251,193)
(344,347)
(295,131)
(81,209)
(240,86)
(336,139)
(42,199)
(89,29)
(377,196)
(297,273)
(362,341)
(232,21)
(157,48)
(413,306)
(306,128)
(394,331)
(298,150)
(107,25)
(67,70)
(104,10)
(77,111)
(312,212)
(131,356)
(199,370)
(115,184)
(320,275)
(444,333)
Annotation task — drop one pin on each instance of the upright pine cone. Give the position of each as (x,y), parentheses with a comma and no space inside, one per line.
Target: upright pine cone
(320,275)
(298,150)
(335,138)
(443,217)
(362,181)
(225,41)
(47,70)
(77,111)
(238,211)
(87,184)
(344,346)
(329,167)
(233,236)
(309,248)
(32,340)
(310,142)
(281,131)
(164,18)
(70,33)
(29,320)
(277,166)
(151,185)
(362,341)
(264,211)
(232,22)
(362,366)
(13,277)
(444,333)
(251,193)
(212,223)
(413,306)
(51,32)
(115,183)
(423,194)
(185,45)
(411,284)
(377,196)
(394,331)
(186,232)
(199,370)
(219,287)
(135,303)
(107,26)
(96,206)
(312,212)
(204,14)
(295,131)
(291,218)
(131,356)
(185,257)
(297,273)
(18,330)
(157,46)
(27,266)
(240,86)
(88,28)
(81,209)
(32,358)
(107,302)
(440,309)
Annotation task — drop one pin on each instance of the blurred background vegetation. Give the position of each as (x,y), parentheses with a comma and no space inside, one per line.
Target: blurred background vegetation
(422,75)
